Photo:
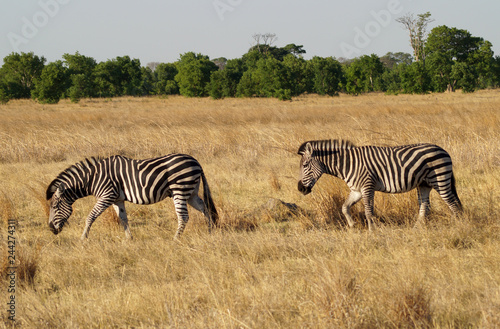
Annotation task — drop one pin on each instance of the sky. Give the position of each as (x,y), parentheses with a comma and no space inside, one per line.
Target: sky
(162,30)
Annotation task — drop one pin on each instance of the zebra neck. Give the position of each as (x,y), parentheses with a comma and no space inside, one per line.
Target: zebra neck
(73,193)
(336,165)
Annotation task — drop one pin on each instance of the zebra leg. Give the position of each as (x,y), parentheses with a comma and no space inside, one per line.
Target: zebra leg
(423,202)
(197,203)
(98,209)
(368,196)
(180,205)
(353,197)
(120,211)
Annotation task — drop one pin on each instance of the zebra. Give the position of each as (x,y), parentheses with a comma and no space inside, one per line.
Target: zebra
(367,169)
(117,179)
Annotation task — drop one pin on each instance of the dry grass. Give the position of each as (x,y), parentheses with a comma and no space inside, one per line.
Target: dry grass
(266,267)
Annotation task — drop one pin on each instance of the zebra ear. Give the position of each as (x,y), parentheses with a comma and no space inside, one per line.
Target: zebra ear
(305,148)
(52,189)
(308,149)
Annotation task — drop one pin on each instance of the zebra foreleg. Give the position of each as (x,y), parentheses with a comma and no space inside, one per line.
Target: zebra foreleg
(97,210)
(122,214)
(353,197)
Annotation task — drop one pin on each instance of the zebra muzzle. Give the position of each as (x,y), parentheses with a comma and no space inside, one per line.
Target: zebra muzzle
(54,229)
(304,189)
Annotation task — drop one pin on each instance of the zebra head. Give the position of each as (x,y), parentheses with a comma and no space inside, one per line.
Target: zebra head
(60,208)
(311,168)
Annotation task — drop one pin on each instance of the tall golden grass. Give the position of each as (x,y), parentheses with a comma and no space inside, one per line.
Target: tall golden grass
(266,267)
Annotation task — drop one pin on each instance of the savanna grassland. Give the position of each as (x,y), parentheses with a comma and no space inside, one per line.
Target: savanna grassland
(265,266)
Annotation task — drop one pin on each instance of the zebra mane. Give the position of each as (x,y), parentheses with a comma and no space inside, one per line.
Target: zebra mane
(330,144)
(77,167)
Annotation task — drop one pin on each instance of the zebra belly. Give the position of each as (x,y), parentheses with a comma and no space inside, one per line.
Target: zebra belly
(392,188)
(139,198)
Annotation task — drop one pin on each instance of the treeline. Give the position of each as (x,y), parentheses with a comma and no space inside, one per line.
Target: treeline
(453,59)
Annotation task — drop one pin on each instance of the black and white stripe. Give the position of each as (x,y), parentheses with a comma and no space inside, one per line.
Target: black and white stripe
(367,169)
(117,179)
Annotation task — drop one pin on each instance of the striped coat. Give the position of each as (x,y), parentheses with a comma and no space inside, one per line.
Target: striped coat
(367,169)
(117,179)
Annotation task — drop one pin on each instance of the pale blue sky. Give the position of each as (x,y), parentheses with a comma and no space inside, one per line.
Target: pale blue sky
(162,30)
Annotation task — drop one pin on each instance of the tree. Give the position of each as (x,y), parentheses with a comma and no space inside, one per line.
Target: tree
(19,72)
(51,84)
(165,79)
(220,62)
(448,46)
(465,76)
(269,77)
(81,73)
(4,96)
(415,79)
(391,78)
(495,71)
(417,30)
(298,75)
(224,82)
(327,75)
(193,75)
(118,77)
(263,42)
(247,86)
(391,60)
(364,75)
(148,81)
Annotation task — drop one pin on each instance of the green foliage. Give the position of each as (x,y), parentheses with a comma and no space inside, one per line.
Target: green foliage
(224,82)
(19,72)
(495,71)
(51,84)
(165,79)
(364,74)
(391,60)
(246,87)
(452,58)
(457,57)
(4,97)
(283,94)
(298,75)
(193,75)
(415,79)
(391,79)
(327,75)
(118,77)
(466,76)
(269,77)
(81,73)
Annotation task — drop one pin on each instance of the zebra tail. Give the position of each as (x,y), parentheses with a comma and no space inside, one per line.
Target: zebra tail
(454,190)
(209,202)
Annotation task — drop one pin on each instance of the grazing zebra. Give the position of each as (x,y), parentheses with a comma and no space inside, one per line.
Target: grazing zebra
(367,169)
(117,179)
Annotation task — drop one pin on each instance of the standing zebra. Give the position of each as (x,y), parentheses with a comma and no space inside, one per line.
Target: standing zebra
(117,179)
(367,169)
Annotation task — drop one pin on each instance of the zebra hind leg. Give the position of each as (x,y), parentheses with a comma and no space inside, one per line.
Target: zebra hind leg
(423,202)
(368,196)
(180,205)
(353,197)
(122,214)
